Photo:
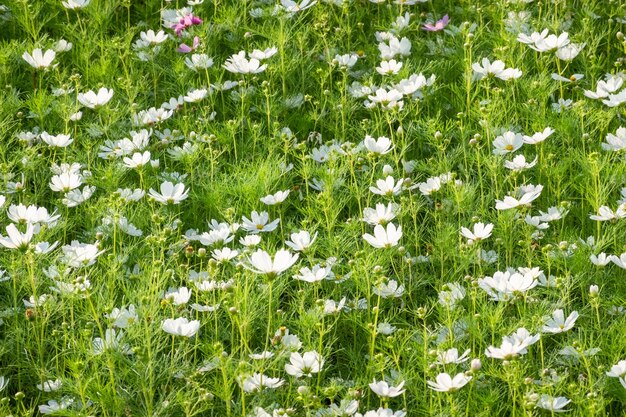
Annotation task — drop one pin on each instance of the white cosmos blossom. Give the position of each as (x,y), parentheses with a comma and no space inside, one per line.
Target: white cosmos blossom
(16,239)
(181,327)
(49,385)
(123,317)
(94,100)
(259,382)
(605,88)
(508,142)
(315,274)
(261,262)
(170,193)
(54,406)
(258,222)
(390,67)
(345,61)
(445,383)
(277,198)
(57,141)
(388,186)
(503,286)
(384,237)
(39,59)
(553,404)
(526,195)
(494,69)
(293,7)
(538,137)
(558,323)
(75,4)
(615,142)
(178,296)
(384,390)
(381,146)
(452,356)
(238,64)
(393,47)
(306,364)
(519,163)
(390,289)
(481,231)
(606,214)
(199,62)
(512,346)
(301,241)
(619,260)
(79,254)
(382,214)
(602,259)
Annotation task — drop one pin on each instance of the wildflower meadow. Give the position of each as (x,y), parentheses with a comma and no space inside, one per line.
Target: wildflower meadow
(312,208)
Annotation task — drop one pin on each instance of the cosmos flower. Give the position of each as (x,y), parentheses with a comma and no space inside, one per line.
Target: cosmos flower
(181,327)
(439,24)
(170,193)
(384,237)
(39,59)
(558,323)
(306,364)
(261,262)
(386,391)
(445,383)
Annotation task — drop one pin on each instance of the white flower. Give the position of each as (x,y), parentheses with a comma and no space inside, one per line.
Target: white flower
(178,296)
(346,61)
(558,323)
(495,69)
(384,238)
(618,371)
(606,214)
(481,231)
(79,254)
(304,365)
(615,142)
(390,289)
(170,193)
(385,329)
(92,100)
(199,61)
(519,163)
(153,38)
(394,46)
(54,406)
(258,382)
(265,54)
(16,239)
(381,146)
(238,64)
(503,286)
(112,341)
(123,317)
(261,262)
(66,181)
(301,241)
(512,346)
(382,214)
(258,222)
(38,59)
(181,327)
(389,67)
(49,385)
(569,52)
(75,4)
(388,186)
(277,198)
(508,142)
(527,194)
(452,356)
(601,259)
(553,404)
(58,141)
(293,7)
(619,260)
(384,390)
(137,160)
(445,383)
(538,136)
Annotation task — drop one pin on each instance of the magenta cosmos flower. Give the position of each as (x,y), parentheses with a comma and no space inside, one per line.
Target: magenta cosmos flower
(185,22)
(439,25)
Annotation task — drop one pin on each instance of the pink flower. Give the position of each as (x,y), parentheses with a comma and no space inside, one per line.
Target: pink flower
(439,25)
(185,49)
(185,22)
